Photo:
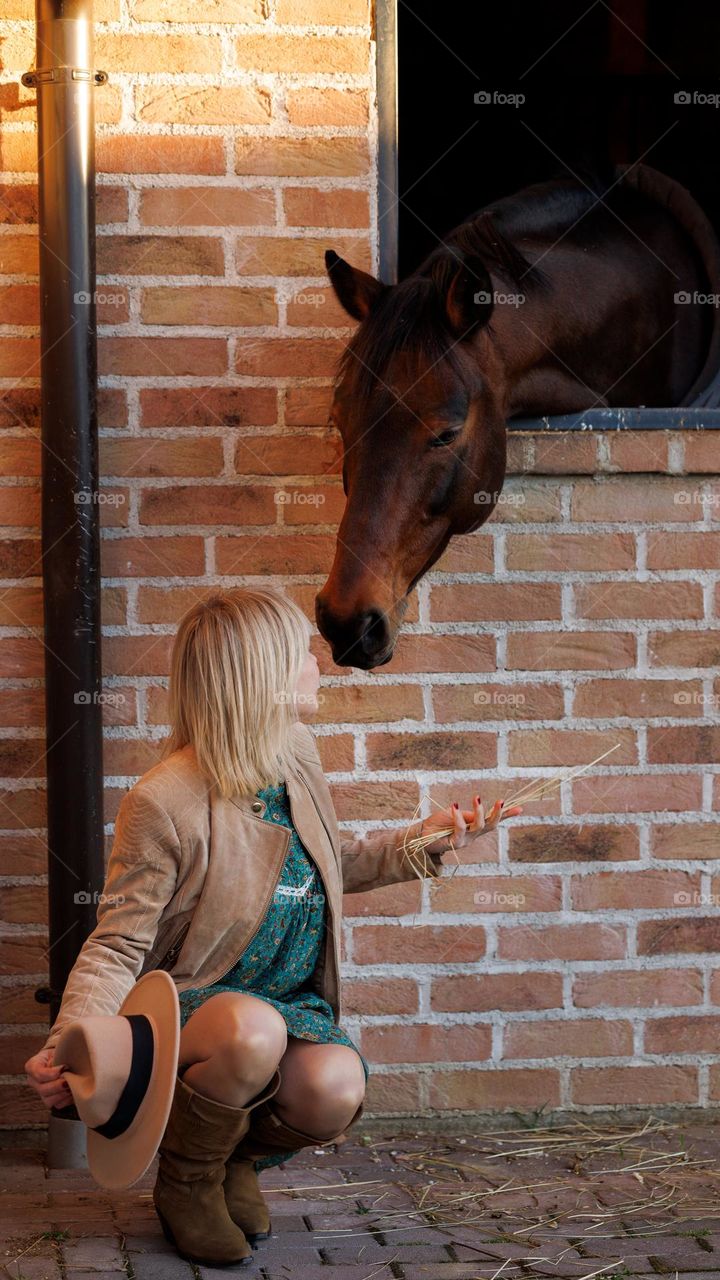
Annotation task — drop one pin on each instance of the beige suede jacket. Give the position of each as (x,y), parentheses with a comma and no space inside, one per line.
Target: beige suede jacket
(190,876)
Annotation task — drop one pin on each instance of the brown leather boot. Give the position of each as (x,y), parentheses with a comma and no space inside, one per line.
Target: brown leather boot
(267,1135)
(243,1198)
(188,1194)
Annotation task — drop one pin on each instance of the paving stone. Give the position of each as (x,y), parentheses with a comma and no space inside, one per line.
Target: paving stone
(344,1271)
(162,1266)
(150,1243)
(96,1275)
(100,1253)
(450,1271)
(314,1199)
(32,1268)
(282,1223)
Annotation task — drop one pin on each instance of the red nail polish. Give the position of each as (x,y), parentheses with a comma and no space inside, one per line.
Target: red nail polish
(454,804)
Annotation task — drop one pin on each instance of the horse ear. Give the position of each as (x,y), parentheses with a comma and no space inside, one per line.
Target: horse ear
(468,299)
(355,290)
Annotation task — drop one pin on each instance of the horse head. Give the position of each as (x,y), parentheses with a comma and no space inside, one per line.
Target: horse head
(419,401)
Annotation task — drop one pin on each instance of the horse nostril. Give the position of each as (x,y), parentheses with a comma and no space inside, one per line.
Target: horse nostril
(374,631)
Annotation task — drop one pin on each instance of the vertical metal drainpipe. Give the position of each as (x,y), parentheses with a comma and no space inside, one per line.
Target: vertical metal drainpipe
(65,81)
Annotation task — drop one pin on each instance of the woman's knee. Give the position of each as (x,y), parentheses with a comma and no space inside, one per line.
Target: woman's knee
(335,1076)
(255,1038)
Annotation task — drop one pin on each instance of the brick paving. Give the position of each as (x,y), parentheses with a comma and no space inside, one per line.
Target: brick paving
(564,1201)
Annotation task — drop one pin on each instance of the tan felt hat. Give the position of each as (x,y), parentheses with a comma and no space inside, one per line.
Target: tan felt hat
(121,1071)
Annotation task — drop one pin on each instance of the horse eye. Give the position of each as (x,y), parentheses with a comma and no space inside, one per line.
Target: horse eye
(445,437)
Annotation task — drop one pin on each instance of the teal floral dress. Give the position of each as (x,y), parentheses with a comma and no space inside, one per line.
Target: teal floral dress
(283,954)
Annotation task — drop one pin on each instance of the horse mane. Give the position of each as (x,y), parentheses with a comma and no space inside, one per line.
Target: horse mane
(480,238)
(411,316)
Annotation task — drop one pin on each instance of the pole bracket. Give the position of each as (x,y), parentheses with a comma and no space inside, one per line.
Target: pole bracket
(60,75)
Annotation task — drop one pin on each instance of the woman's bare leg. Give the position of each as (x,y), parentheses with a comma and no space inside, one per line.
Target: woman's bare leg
(234,1043)
(322,1087)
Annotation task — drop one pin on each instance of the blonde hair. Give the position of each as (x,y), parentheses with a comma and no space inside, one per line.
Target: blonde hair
(236,660)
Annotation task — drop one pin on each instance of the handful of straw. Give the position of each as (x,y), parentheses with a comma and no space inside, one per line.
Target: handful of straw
(532,791)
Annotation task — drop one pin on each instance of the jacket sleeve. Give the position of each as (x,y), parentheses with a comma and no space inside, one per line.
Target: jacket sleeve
(141,876)
(368,862)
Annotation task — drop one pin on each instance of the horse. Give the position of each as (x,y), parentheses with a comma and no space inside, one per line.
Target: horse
(563,296)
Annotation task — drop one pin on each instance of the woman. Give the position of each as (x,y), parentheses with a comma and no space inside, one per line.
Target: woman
(228,868)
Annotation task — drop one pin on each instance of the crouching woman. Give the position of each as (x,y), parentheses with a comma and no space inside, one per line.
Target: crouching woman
(228,869)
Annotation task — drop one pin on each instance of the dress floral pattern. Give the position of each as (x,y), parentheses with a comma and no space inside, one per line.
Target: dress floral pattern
(279,962)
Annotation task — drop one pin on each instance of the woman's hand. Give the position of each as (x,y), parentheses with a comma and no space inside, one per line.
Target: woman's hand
(467,824)
(46,1080)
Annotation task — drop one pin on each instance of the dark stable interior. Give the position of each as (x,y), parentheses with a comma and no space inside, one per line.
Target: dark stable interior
(600,83)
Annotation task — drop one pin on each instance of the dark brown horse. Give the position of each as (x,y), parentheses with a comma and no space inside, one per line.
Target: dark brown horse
(553,300)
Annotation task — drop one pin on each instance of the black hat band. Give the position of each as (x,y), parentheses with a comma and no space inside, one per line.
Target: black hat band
(141,1065)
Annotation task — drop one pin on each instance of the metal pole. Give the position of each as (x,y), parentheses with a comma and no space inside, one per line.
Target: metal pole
(65,82)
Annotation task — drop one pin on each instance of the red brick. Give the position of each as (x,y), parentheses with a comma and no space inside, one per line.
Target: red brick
(311,207)
(161,255)
(373,801)
(527,501)
(670,550)
(674,937)
(21,656)
(153,557)
(157,457)
(368,704)
(700,453)
(275,553)
(677,600)
(206,206)
(208,406)
(638,989)
(638,451)
(379,995)
(685,840)
(401,899)
(137,52)
(508,1090)
(570,651)
(633,793)
(431,751)
(427,1043)
(585,1038)
(587,842)
(435,653)
(344,106)
(509,701)
(467,553)
(137,655)
(219,305)
(686,744)
(488,894)
(563,748)
(635,500)
(510,992)
(390,1094)
(562,942)
(418,944)
(195,504)
(570,552)
(683,1035)
(684,648)
(159,153)
(288,357)
(501,601)
(592,1086)
(157,357)
(634,891)
(308,453)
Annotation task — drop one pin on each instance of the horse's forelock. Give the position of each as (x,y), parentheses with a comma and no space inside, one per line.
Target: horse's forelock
(409,318)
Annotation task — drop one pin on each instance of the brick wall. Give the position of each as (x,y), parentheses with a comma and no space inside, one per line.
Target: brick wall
(576,964)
